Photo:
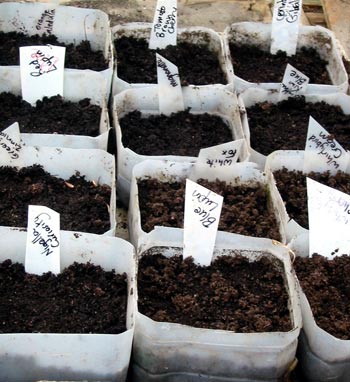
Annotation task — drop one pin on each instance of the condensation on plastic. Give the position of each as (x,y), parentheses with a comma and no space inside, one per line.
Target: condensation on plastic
(173,352)
(77,86)
(216,101)
(242,174)
(195,35)
(317,37)
(37,356)
(71,25)
(95,165)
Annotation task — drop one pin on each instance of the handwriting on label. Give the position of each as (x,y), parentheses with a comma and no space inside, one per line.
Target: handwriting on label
(205,208)
(42,63)
(46,21)
(7,143)
(327,146)
(162,64)
(288,10)
(43,234)
(223,162)
(294,83)
(166,22)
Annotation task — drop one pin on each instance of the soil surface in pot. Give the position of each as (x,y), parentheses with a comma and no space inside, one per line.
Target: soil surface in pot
(245,209)
(80,56)
(326,285)
(292,187)
(197,65)
(180,133)
(83,298)
(51,115)
(83,205)
(284,125)
(230,294)
(255,65)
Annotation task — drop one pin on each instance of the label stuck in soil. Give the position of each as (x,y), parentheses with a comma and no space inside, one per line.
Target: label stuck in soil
(42,69)
(322,151)
(43,241)
(285,26)
(294,83)
(201,220)
(220,156)
(169,87)
(164,27)
(329,220)
(10,145)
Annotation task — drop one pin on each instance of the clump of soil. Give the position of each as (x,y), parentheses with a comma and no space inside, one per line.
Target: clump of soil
(326,284)
(197,65)
(230,294)
(245,209)
(159,134)
(292,187)
(255,65)
(83,205)
(80,56)
(83,298)
(50,115)
(284,125)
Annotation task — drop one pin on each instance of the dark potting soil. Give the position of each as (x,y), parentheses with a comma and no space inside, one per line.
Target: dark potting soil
(292,187)
(326,284)
(255,65)
(83,205)
(181,133)
(245,209)
(283,126)
(197,65)
(50,115)
(83,298)
(230,294)
(80,56)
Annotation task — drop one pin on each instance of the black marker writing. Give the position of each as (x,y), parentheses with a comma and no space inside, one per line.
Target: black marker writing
(288,10)
(327,148)
(46,21)
(7,143)
(42,63)
(165,24)
(170,76)
(205,214)
(44,235)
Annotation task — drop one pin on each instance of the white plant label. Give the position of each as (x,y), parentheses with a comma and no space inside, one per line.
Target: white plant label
(43,241)
(285,26)
(322,151)
(294,83)
(169,87)
(329,220)
(10,144)
(42,69)
(164,27)
(202,215)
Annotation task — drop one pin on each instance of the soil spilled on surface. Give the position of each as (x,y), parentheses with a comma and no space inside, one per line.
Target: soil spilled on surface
(83,205)
(83,298)
(230,294)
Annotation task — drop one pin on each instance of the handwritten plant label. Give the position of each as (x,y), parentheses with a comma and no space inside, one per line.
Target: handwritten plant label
(294,83)
(42,69)
(322,151)
(164,27)
(285,26)
(202,214)
(10,144)
(169,86)
(43,241)
(44,24)
(329,220)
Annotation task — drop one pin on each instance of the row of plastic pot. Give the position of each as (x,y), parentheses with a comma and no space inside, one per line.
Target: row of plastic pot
(93,26)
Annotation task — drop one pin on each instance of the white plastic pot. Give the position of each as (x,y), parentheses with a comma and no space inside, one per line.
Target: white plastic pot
(165,351)
(195,35)
(37,356)
(216,101)
(243,174)
(95,165)
(77,86)
(70,25)
(317,37)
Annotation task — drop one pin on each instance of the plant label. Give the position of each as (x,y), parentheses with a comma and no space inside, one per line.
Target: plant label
(294,83)
(201,221)
(329,220)
(10,145)
(42,69)
(164,27)
(169,87)
(45,22)
(43,241)
(285,26)
(322,151)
